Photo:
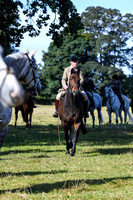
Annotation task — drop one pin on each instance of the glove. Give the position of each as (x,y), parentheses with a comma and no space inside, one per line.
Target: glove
(65,87)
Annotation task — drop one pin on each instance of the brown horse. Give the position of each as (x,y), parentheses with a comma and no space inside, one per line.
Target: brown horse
(71,113)
(26,110)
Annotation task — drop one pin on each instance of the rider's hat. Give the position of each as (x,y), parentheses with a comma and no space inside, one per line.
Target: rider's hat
(87,75)
(74,58)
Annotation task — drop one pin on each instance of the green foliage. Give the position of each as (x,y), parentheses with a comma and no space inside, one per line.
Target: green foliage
(37,15)
(11,30)
(111,31)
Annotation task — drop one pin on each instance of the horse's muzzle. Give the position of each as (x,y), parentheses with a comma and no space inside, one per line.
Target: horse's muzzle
(75,92)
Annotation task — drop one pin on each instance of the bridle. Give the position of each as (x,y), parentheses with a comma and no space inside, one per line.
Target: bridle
(75,84)
(110,98)
(74,107)
(32,67)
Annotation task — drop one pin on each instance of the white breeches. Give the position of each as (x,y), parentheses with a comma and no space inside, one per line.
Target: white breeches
(58,96)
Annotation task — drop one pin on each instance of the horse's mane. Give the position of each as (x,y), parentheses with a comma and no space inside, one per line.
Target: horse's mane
(17,55)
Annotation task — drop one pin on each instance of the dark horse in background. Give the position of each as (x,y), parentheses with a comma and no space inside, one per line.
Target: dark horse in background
(26,109)
(71,113)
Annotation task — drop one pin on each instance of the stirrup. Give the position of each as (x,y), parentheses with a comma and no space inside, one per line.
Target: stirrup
(55,114)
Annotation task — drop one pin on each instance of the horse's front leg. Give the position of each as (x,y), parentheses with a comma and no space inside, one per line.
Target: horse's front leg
(16,116)
(75,137)
(68,139)
(93,119)
(30,119)
(3,134)
(121,119)
(110,122)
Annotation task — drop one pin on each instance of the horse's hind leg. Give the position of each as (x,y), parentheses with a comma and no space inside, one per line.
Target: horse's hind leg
(125,118)
(93,119)
(100,117)
(117,125)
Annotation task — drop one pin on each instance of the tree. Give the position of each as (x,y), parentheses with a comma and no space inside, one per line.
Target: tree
(110,32)
(37,15)
(11,30)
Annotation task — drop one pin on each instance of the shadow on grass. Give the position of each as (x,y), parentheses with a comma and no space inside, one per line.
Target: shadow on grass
(27,173)
(48,187)
(30,151)
(40,135)
(113,151)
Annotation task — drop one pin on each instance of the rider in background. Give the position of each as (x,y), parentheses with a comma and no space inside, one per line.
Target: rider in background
(65,83)
(116,86)
(89,86)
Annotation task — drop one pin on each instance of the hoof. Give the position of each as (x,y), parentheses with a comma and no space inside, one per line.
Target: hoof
(72,154)
(67,152)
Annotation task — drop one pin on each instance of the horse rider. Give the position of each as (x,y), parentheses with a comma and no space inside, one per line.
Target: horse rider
(65,82)
(89,86)
(116,86)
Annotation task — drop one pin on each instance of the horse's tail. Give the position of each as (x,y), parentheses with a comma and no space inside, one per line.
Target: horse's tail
(100,116)
(130,117)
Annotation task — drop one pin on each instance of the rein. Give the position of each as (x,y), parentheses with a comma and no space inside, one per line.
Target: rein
(73,106)
(110,100)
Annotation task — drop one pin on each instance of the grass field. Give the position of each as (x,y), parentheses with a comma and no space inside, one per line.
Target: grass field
(33,165)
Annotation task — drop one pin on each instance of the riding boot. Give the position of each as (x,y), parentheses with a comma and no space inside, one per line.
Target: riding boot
(86,115)
(56,109)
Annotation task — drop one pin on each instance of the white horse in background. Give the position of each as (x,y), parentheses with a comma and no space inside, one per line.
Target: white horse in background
(97,105)
(113,105)
(26,71)
(11,94)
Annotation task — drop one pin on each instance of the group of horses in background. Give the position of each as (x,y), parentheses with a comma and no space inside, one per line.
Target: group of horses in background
(15,68)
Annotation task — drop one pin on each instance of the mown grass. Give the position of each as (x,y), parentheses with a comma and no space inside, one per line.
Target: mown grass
(33,164)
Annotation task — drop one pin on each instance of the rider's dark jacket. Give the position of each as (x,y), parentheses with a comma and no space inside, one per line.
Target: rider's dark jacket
(116,87)
(88,85)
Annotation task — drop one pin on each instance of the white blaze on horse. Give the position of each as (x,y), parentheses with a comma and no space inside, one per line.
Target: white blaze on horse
(25,70)
(11,94)
(114,105)
(97,105)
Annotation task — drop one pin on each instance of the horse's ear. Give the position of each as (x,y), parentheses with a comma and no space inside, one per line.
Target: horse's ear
(33,53)
(27,51)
